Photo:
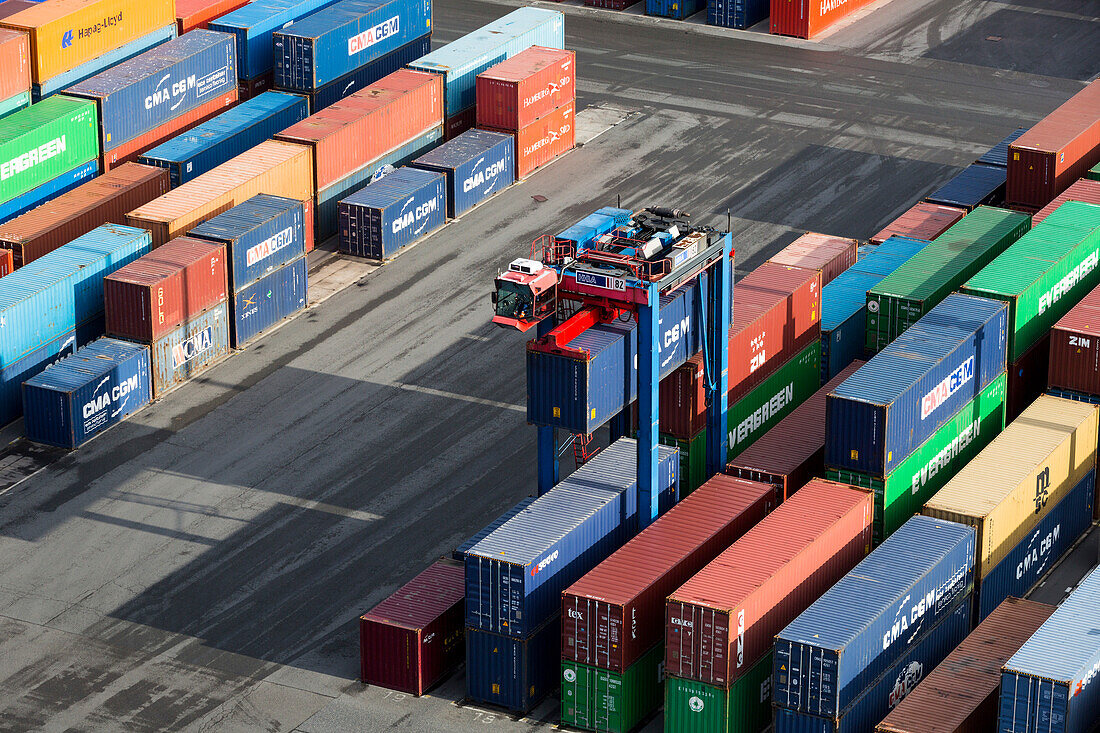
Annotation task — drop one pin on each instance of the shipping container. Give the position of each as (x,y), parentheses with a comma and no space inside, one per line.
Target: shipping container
(477,164)
(676,9)
(515,674)
(905,490)
(998,154)
(392,213)
(190,349)
(616,702)
(903,395)
(1058,150)
(151,296)
(460,61)
(280,169)
(737,13)
(515,575)
(251,88)
(530,85)
(1091,400)
(11,7)
(49,190)
(367,74)
(744,707)
(874,703)
(15,103)
(807,18)
(7,264)
(1084,190)
(844,303)
(65,35)
(544,139)
(415,637)
(1045,685)
(44,141)
(616,612)
(861,626)
(923,221)
(274,297)
(961,694)
(192,14)
(15,60)
(1075,347)
(957,255)
(726,616)
(1044,274)
(827,254)
(977,185)
(1094,173)
(455,125)
(229,134)
(362,127)
(459,553)
(1027,378)
(252,27)
(82,395)
(792,452)
(346,35)
(102,200)
(693,457)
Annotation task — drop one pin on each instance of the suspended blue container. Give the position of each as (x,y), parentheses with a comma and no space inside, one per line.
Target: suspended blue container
(477,163)
(50,190)
(511,673)
(260,305)
(737,13)
(677,9)
(978,184)
(459,553)
(253,25)
(367,74)
(998,154)
(593,226)
(392,212)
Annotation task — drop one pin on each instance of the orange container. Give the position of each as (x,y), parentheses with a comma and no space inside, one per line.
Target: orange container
(192,14)
(543,140)
(274,167)
(15,63)
(7,264)
(807,18)
(530,85)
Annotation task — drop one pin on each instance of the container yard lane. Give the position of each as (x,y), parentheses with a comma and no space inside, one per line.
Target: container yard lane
(202,566)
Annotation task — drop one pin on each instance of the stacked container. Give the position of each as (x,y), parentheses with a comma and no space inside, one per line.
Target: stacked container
(923,221)
(677,9)
(477,163)
(15,84)
(192,14)
(174,300)
(737,13)
(807,18)
(392,213)
(1086,190)
(976,185)
(827,254)
(998,154)
(264,239)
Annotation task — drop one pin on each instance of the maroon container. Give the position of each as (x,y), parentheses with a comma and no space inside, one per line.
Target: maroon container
(457,124)
(11,7)
(726,617)
(615,613)
(610,4)
(1055,152)
(103,200)
(308,207)
(153,295)
(793,451)
(1075,347)
(924,221)
(411,640)
(827,254)
(1027,378)
(530,85)
(249,88)
(961,693)
(1083,190)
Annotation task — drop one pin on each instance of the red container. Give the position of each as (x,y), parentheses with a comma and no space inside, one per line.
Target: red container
(103,200)
(249,88)
(530,85)
(307,213)
(11,7)
(411,640)
(1027,378)
(682,405)
(455,125)
(827,254)
(7,266)
(615,613)
(610,4)
(153,295)
(807,18)
(726,617)
(793,451)
(961,694)
(365,125)
(543,140)
(15,60)
(192,14)
(1084,190)
(1056,151)
(1075,347)
(923,221)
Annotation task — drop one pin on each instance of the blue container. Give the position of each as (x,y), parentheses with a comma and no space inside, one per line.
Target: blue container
(1067,394)
(231,133)
(1022,567)
(50,190)
(998,154)
(160,85)
(513,673)
(253,25)
(461,61)
(343,37)
(594,225)
(459,553)
(191,348)
(844,302)
(851,635)
(515,576)
(15,103)
(477,163)
(82,395)
(114,57)
(1052,685)
(678,9)
(896,401)
(326,214)
(392,212)
(368,74)
(976,185)
(259,306)
(260,235)
(737,13)
(891,688)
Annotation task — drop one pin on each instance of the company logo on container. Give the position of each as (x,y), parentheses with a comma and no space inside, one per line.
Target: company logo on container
(673,335)
(488,173)
(1069,280)
(951,384)
(552,88)
(943,459)
(268,247)
(1035,561)
(67,39)
(408,218)
(188,349)
(99,27)
(695,704)
(830,5)
(761,415)
(905,683)
(371,36)
(33,157)
(931,602)
(170,91)
(1086,679)
(551,137)
(101,401)
(544,562)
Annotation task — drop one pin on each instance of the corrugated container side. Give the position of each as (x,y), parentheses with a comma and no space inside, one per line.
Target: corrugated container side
(676,9)
(192,14)
(737,13)
(190,349)
(459,553)
(923,221)
(274,297)
(544,139)
(15,60)
(745,707)
(11,7)
(806,19)
(48,191)
(1027,378)
(477,164)
(1084,190)
(392,213)
(14,103)
(827,254)
(530,85)
(616,702)
(59,133)
(367,74)
(252,26)
(693,459)
(515,674)
(1075,347)
(998,154)
(978,184)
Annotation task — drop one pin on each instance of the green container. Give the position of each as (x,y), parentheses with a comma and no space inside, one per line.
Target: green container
(930,467)
(1094,173)
(773,399)
(596,699)
(926,278)
(47,139)
(693,460)
(696,707)
(1044,274)
(15,103)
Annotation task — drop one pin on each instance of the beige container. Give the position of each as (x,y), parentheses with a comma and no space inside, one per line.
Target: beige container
(272,167)
(1019,477)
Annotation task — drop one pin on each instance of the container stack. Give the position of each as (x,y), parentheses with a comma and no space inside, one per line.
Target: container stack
(264,240)
(392,213)
(737,13)
(923,221)
(192,14)
(15,83)
(173,300)
(1086,190)
(676,9)
(976,185)
(532,97)
(477,163)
